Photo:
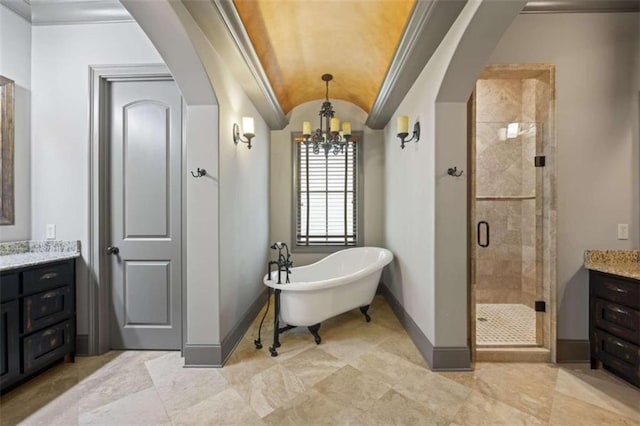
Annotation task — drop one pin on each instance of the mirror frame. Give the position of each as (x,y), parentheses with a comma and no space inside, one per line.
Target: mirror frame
(7,90)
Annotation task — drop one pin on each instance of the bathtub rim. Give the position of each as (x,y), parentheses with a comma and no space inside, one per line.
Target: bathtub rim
(333,282)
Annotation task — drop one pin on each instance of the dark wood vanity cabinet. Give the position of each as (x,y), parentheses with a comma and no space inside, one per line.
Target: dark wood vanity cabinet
(614,324)
(37,319)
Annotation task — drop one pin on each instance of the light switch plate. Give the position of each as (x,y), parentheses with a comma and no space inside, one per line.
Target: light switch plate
(51,231)
(623,231)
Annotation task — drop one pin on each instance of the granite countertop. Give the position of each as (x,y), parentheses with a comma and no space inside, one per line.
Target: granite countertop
(624,263)
(20,254)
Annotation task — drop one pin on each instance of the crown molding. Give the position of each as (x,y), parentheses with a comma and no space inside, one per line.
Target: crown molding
(427,26)
(221,25)
(266,99)
(65,12)
(581,6)
(20,7)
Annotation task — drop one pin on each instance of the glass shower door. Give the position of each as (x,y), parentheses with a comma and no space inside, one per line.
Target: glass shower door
(507,236)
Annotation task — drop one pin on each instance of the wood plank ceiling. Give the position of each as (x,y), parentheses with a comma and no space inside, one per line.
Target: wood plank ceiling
(297,41)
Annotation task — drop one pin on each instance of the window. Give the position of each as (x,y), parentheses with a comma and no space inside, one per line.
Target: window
(327,196)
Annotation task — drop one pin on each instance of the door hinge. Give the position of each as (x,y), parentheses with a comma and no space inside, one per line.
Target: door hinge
(540,306)
(539,160)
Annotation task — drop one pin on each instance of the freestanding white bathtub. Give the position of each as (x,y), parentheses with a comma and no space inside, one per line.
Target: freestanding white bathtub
(340,282)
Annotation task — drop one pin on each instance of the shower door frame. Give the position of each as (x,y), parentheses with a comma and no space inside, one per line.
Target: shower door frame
(548,287)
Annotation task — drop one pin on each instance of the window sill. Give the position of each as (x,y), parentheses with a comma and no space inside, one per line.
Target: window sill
(320,249)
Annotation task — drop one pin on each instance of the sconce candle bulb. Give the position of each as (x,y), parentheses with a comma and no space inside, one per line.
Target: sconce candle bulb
(247,126)
(248,131)
(402,126)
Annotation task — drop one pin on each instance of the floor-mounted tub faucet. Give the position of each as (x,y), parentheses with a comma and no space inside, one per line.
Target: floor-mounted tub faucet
(284,262)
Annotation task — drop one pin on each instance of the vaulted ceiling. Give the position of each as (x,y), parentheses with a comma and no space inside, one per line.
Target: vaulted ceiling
(298,41)
(278,49)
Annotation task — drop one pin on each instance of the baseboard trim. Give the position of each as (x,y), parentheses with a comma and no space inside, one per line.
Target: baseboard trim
(438,358)
(455,358)
(573,350)
(202,355)
(215,355)
(82,344)
(236,334)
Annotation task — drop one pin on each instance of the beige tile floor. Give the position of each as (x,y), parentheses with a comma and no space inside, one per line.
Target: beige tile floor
(362,373)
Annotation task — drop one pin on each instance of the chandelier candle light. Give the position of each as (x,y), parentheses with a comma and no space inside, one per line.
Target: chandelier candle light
(328,136)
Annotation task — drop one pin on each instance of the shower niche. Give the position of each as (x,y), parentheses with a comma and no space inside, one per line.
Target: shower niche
(509,210)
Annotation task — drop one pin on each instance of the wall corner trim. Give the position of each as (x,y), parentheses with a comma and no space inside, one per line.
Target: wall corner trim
(438,358)
(569,350)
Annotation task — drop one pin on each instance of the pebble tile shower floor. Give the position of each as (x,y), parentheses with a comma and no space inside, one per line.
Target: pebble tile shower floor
(505,324)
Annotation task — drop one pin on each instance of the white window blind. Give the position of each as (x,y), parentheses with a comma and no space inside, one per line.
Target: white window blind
(327,199)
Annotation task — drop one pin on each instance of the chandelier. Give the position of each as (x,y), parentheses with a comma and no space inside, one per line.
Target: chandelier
(328,136)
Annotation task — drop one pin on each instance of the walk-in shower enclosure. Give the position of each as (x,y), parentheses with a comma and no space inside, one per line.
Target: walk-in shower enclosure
(509,143)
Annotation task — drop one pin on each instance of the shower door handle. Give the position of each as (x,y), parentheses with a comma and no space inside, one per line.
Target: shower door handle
(488,232)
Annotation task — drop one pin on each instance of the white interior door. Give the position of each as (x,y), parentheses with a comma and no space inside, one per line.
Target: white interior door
(145,223)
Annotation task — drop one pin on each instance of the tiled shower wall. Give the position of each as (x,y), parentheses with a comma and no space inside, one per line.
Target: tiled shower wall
(506,187)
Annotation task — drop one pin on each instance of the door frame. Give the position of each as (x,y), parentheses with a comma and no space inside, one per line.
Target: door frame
(99,276)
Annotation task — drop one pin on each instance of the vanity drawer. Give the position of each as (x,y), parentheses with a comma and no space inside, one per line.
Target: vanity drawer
(617,290)
(8,287)
(46,308)
(47,345)
(618,354)
(47,277)
(618,320)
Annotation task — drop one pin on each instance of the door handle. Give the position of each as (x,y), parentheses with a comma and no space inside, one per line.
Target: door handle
(486,224)
(113,250)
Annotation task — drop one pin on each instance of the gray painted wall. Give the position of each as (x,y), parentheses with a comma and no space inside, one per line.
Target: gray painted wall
(244,212)
(281,185)
(597,58)
(179,51)
(61,56)
(15,63)
(426,210)
(410,181)
(228,210)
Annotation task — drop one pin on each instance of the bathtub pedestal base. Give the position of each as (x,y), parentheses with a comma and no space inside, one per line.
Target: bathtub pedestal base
(364,310)
(314,330)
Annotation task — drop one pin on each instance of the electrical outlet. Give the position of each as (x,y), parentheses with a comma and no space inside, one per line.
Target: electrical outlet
(51,231)
(623,231)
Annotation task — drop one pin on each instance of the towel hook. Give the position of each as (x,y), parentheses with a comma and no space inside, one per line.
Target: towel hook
(453,171)
(199,173)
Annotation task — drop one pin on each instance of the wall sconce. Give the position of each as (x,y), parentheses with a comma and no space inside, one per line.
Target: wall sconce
(248,131)
(403,130)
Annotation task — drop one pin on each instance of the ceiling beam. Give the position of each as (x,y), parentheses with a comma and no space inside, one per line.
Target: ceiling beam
(427,26)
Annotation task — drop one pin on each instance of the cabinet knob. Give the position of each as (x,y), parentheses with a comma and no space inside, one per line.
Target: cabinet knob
(113,250)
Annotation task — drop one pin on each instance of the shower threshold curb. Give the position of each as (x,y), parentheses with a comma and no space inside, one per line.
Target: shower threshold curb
(513,355)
